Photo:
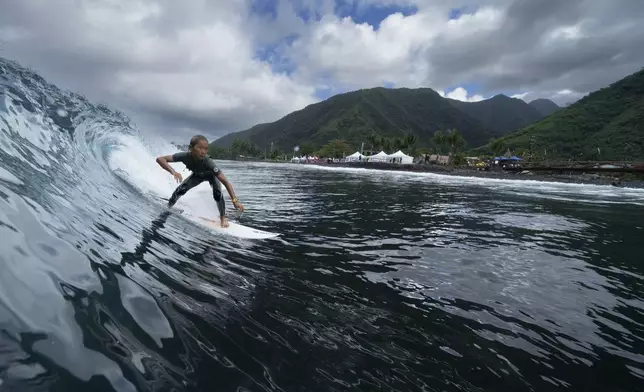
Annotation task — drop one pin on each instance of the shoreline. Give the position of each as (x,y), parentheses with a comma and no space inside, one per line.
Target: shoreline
(581,178)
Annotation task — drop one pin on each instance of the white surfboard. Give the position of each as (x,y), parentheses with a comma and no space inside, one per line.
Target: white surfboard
(234,229)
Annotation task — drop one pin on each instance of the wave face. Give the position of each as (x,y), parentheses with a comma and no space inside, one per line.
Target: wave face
(380,281)
(78,218)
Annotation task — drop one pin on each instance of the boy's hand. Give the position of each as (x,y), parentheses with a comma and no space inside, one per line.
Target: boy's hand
(238,205)
(177,176)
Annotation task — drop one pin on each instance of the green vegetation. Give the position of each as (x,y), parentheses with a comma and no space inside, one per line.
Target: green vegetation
(450,141)
(453,140)
(335,148)
(605,125)
(392,144)
(501,113)
(242,148)
(544,106)
(392,114)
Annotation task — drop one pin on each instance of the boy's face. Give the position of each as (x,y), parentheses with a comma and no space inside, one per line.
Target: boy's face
(200,149)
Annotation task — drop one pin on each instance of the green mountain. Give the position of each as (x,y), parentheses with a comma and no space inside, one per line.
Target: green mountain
(544,106)
(500,113)
(607,124)
(356,115)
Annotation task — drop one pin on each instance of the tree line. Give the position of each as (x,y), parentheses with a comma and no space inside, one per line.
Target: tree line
(450,141)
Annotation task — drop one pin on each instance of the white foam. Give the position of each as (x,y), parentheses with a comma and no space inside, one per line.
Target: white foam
(7,176)
(526,185)
(29,126)
(8,145)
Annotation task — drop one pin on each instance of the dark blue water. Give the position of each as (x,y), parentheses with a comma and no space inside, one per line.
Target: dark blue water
(378,282)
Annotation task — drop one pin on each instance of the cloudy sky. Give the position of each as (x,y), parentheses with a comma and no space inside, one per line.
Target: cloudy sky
(179,67)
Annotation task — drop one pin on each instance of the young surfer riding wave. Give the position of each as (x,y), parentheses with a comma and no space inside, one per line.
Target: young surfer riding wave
(203,168)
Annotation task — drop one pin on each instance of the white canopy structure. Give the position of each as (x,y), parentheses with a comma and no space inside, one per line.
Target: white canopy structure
(379,157)
(401,157)
(354,157)
(303,158)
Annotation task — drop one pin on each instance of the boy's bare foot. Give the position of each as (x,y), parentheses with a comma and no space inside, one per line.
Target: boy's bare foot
(224,221)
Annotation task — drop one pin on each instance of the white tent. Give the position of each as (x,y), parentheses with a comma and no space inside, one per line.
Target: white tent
(354,157)
(379,157)
(401,157)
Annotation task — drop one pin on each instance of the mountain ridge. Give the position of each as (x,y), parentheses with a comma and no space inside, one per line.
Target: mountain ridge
(607,124)
(502,113)
(544,106)
(354,116)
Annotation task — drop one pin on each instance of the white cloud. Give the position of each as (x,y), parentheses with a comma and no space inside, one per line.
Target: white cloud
(568,95)
(400,50)
(194,65)
(520,95)
(190,69)
(461,94)
(573,32)
(356,55)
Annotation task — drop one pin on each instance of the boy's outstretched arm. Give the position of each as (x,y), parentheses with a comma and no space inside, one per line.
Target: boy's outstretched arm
(163,162)
(231,191)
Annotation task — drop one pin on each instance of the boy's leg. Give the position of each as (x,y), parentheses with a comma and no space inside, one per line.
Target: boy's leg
(217,195)
(189,183)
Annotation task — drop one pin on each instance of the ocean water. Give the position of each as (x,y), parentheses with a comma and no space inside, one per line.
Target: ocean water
(379,281)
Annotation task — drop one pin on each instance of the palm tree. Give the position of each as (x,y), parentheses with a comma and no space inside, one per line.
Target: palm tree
(374,140)
(439,140)
(384,143)
(455,140)
(410,141)
(240,147)
(387,144)
(398,143)
(496,146)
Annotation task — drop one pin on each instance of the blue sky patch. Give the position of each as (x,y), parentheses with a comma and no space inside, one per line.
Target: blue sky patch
(273,55)
(456,13)
(307,14)
(372,15)
(264,7)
